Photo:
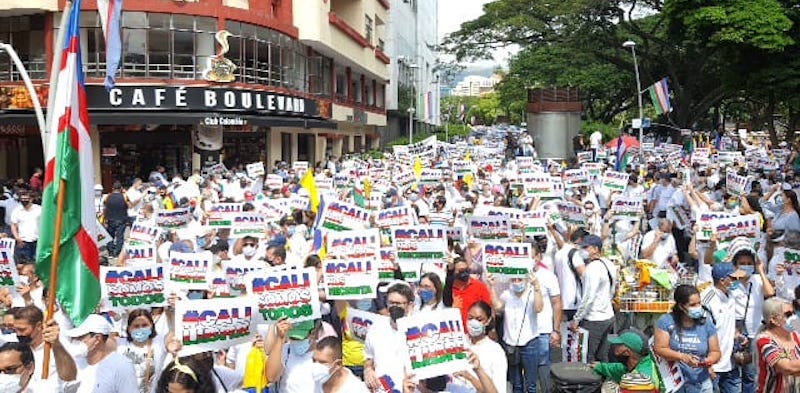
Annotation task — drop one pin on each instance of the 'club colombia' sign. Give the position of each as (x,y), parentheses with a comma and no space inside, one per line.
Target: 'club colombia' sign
(173,98)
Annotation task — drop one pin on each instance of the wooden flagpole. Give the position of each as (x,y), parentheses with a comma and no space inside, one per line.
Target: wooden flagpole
(51,289)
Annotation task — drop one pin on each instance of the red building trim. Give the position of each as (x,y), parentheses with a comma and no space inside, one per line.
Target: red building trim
(382,56)
(348,30)
(384,3)
(259,13)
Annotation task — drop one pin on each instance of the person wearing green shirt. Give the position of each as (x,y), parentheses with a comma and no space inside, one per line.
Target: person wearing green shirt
(632,356)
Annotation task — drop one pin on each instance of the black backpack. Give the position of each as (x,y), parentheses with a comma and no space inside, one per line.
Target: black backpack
(574,378)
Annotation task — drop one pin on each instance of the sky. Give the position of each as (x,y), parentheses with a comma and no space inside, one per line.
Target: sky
(452,13)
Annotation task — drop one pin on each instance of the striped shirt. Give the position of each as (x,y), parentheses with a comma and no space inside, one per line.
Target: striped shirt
(770,352)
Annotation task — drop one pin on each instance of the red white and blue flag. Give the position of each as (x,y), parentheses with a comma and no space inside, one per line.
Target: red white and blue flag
(69,163)
(110,13)
(659,94)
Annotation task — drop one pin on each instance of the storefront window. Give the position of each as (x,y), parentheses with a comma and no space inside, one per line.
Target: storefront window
(25,34)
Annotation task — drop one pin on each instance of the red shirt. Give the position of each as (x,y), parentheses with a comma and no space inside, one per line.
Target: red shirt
(464,297)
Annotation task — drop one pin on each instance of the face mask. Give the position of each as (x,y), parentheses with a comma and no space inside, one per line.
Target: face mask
(396,313)
(364,304)
(518,287)
(734,285)
(664,236)
(426,295)
(748,269)
(141,335)
(194,295)
(413,197)
(584,254)
(788,326)
(299,347)
(249,251)
(462,276)
(290,231)
(201,242)
(24,339)
(320,373)
(476,328)
(623,359)
(10,383)
(696,312)
(81,350)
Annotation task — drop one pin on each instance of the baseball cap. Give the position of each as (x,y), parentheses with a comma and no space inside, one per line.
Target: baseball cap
(301,330)
(92,324)
(630,340)
(592,240)
(722,270)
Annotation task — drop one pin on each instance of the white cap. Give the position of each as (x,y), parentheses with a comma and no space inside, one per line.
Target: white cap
(93,324)
(98,187)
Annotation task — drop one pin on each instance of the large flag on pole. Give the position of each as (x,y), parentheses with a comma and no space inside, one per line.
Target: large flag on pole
(70,170)
(659,94)
(110,14)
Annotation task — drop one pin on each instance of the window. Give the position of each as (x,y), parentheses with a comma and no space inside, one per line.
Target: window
(368,28)
(341,84)
(380,45)
(25,34)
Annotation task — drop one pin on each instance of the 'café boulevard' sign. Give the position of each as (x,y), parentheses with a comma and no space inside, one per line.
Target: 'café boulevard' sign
(171,98)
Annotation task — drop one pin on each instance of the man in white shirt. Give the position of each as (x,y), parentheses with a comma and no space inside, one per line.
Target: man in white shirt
(548,321)
(25,227)
(329,375)
(595,312)
(384,341)
(719,300)
(569,268)
(105,370)
(17,368)
(135,196)
(659,245)
(290,362)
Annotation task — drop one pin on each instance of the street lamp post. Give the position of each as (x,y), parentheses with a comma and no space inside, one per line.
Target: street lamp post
(632,45)
(411,125)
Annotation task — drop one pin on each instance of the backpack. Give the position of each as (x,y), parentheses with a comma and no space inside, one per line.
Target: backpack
(578,279)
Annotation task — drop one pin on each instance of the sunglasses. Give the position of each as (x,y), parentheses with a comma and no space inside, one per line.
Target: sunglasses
(249,244)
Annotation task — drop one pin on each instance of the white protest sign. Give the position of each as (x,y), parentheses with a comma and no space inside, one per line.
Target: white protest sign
(129,288)
(235,270)
(211,324)
(576,178)
(8,268)
(574,345)
(353,244)
(626,208)
(419,244)
(729,228)
(489,228)
(706,223)
(273,181)
(143,232)
(670,372)
(436,343)
(290,293)
(351,278)
(336,215)
(508,259)
(187,271)
(571,213)
(144,254)
(255,170)
(735,184)
(396,216)
(615,181)
(361,321)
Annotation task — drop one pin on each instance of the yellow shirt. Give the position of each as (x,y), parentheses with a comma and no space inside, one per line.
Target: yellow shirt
(352,350)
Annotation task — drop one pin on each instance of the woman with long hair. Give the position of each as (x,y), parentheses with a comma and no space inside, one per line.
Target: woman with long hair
(688,335)
(789,217)
(430,292)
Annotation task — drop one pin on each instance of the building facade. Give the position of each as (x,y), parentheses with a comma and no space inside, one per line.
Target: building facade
(415,84)
(204,82)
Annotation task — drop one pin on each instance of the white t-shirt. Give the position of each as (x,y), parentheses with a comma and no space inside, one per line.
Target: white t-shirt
(27,221)
(595,139)
(134,195)
(570,294)
(596,301)
(663,251)
(549,286)
(142,358)
(52,385)
(519,317)
(382,345)
(351,384)
(114,374)
(721,305)
(296,377)
(493,360)
(227,377)
(10,204)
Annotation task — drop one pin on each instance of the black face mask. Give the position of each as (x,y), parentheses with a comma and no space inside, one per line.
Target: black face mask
(25,339)
(396,313)
(462,276)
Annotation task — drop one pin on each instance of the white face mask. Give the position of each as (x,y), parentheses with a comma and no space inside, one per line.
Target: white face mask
(81,350)
(10,383)
(249,251)
(320,373)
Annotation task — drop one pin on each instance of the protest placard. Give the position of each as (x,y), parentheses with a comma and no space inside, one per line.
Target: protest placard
(535,223)
(235,271)
(396,216)
(574,345)
(249,224)
(419,244)
(138,255)
(431,176)
(404,179)
(576,178)
(211,324)
(648,146)
(173,219)
(626,208)
(615,181)
(324,184)
(436,343)
(290,293)
(215,169)
(336,215)
(143,232)
(670,372)
(361,321)
(300,167)
(255,170)
(386,264)
(103,237)
(524,163)
(455,234)
(701,156)
(594,169)
(557,188)
(538,184)
(8,267)
(489,228)
(353,244)
(705,223)
(731,227)
(273,181)
(188,270)
(129,288)
(351,278)
(584,156)
(508,259)
(571,213)
(299,202)
(735,184)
